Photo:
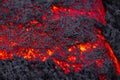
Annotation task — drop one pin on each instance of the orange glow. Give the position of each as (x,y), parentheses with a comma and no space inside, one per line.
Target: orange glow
(76,13)
(32,54)
(27,29)
(64,65)
(13,44)
(113,58)
(84,47)
(34,22)
(101,37)
(71,48)
(50,52)
(29,54)
(73,56)
(54,9)
(4,55)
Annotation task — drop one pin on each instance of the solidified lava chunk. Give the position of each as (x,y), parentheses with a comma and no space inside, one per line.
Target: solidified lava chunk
(61,35)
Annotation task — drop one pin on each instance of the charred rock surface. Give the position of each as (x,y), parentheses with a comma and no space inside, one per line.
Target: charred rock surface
(49,27)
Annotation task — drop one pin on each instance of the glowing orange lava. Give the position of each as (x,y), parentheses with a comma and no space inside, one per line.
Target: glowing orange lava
(113,58)
(72,60)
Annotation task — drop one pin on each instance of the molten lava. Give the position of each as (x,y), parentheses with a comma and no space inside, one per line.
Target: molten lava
(75,56)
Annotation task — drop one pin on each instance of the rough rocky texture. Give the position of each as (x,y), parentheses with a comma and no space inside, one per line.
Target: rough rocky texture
(112,30)
(20,69)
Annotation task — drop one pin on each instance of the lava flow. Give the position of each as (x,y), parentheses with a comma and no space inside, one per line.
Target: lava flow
(67,35)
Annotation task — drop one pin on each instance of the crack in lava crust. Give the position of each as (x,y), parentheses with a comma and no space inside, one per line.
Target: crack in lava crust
(67,35)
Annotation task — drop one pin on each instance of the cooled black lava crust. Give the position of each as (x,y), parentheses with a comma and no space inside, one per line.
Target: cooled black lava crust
(21,69)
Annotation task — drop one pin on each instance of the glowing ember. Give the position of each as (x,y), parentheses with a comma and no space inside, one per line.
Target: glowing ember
(113,58)
(35,42)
